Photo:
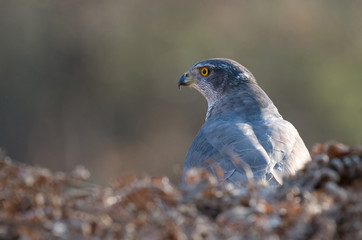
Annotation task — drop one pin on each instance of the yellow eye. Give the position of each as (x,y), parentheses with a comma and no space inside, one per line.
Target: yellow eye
(204,71)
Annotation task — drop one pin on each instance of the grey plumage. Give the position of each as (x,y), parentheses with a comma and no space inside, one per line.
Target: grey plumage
(243,133)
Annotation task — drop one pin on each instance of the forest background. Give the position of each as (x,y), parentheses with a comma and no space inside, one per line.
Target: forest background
(95,82)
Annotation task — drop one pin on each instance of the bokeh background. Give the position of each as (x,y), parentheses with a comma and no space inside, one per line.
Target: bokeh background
(95,82)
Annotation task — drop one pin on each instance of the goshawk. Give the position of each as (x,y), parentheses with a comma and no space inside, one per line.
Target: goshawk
(243,135)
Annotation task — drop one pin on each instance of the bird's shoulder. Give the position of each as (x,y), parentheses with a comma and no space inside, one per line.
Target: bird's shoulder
(239,147)
(232,145)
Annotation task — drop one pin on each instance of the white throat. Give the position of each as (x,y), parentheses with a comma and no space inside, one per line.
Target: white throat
(210,94)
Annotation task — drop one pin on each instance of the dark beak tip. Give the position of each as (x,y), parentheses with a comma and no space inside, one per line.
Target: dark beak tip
(181,81)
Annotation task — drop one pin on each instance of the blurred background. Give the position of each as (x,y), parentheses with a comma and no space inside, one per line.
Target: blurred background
(95,82)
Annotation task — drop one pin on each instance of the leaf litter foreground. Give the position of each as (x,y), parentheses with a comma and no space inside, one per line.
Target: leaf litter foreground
(323,201)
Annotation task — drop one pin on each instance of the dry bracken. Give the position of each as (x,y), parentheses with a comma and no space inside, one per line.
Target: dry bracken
(322,201)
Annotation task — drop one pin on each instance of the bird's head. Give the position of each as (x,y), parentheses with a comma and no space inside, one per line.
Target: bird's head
(214,77)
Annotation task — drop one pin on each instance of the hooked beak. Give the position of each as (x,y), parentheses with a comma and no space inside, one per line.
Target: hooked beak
(185,80)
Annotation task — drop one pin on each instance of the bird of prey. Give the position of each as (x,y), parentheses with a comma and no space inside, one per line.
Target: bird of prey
(243,135)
